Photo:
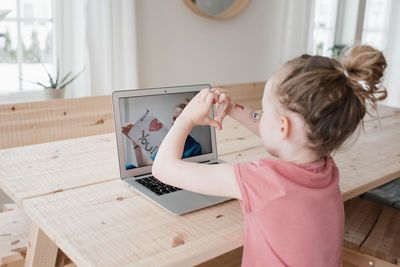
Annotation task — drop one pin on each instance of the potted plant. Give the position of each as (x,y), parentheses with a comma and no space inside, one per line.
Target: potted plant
(337,50)
(54,87)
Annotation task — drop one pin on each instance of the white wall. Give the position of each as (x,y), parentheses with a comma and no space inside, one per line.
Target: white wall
(176,46)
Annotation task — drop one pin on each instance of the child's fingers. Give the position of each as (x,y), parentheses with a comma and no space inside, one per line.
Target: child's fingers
(219,119)
(219,90)
(222,98)
(203,93)
(220,115)
(222,105)
(211,98)
(213,123)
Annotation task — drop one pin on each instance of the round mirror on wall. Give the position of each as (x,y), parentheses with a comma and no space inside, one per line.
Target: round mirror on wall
(217,9)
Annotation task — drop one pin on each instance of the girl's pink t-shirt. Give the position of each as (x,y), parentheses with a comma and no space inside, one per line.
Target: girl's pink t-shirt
(294,213)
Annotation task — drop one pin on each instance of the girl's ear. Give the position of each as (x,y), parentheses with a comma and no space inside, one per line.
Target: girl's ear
(285,127)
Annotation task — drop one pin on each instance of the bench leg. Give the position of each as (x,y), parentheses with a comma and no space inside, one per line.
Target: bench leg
(42,251)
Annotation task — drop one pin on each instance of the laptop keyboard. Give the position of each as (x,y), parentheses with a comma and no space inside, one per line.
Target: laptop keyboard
(156,186)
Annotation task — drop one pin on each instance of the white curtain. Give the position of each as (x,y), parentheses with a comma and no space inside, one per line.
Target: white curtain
(392,54)
(297,25)
(100,37)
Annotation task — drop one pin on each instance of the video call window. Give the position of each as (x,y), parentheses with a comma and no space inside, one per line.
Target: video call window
(145,121)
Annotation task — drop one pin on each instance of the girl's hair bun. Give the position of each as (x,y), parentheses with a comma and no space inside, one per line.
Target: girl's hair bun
(364,66)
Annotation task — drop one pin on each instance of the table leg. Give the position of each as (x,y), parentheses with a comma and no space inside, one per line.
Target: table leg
(42,251)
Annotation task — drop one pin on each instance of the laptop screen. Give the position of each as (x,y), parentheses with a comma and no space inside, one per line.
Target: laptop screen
(145,121)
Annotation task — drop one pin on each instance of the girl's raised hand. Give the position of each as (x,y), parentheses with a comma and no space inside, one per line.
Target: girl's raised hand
(198,109)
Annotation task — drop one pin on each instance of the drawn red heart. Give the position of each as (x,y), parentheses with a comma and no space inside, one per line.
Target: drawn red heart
(155,125)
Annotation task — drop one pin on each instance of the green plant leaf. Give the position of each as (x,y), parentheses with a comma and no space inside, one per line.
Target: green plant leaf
(33,82)
(48,74)
(38,83)
(72,79)
(66,77)
(58,74)
(56,82)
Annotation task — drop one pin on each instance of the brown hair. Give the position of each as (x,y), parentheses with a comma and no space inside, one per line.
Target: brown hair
(332,96)
(181,106)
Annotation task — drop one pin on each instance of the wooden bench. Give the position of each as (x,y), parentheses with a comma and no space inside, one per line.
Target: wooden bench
(372,235)
(14,231)
(45,121)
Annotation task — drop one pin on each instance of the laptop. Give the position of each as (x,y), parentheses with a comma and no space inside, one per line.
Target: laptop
(142,119)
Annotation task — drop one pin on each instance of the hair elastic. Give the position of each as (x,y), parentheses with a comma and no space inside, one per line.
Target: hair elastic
(364,84)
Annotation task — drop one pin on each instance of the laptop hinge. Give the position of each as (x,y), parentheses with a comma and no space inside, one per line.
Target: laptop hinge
(214,161)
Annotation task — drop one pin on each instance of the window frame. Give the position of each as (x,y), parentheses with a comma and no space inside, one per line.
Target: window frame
(358,27)
(360,21)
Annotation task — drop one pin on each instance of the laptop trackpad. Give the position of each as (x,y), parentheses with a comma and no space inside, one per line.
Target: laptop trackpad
(187,201)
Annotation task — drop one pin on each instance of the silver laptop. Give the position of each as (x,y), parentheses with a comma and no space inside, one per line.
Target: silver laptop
(142,118)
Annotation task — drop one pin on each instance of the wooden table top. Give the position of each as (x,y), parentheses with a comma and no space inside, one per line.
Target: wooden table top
(35,170)
(72,191)
(108,224)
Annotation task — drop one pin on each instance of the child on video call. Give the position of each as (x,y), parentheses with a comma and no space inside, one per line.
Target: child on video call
(293,207)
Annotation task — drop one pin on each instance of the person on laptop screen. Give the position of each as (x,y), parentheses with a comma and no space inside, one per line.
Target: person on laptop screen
(192,147)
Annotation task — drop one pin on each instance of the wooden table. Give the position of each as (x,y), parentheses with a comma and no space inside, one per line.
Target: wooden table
(72,191)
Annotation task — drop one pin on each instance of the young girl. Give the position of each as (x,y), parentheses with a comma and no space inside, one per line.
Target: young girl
(292,205)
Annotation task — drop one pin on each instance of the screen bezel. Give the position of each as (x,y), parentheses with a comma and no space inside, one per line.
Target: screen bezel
(117,95)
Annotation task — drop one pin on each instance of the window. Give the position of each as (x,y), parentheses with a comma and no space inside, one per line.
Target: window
(340,23)
(324,26)
(376,23)
(26,44)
